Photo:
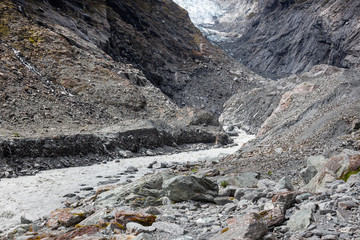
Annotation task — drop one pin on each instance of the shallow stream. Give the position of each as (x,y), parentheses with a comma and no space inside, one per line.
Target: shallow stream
(36,196)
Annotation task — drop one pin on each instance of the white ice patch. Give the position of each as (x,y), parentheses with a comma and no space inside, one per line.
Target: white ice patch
(201,12)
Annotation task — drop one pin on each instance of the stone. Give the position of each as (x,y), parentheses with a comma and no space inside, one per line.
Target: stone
(265,183)
(183,188)
(229,207)
(125,216)
(243,180)
(308,173)
(284,183)
(288,198)
(212,172)
(152,211)
(302,197)
(273,217)
(147,191)
(169,228)
(300,220)
(65,217)
(339,166)
(223,200)
(143,236)
(131,169)
(229,191)
(343,214)
(25,220)
(246,227)
(94,218)
(16,231)
(136,228)
(269,236)
(159,165)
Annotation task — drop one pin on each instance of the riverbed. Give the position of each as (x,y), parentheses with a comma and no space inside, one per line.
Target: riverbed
(35,196)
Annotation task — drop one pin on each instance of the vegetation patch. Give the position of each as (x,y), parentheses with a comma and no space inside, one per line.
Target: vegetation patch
(347,174)
(224,184)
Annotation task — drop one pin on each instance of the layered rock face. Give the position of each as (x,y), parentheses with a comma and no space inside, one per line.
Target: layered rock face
(277,38)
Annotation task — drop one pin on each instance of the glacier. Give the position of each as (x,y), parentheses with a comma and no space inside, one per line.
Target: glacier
(201,12)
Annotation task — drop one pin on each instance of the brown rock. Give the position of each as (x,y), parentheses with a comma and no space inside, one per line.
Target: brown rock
(348,205)
(288,198)
(246,227)
(66,217)
(273,217)
(123,217)
(78,233)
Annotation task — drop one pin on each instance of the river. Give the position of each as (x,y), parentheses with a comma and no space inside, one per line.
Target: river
(36,196)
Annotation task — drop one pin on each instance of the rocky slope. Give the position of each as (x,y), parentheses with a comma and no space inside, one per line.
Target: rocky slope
(277,38)
(317,112)
(74,67)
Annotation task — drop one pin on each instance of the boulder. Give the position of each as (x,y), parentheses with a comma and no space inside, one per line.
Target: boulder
(65,217)
(340,166)
(136,228)
(273,216)
(300,220)
(308,173)
(123,217)
(287,198)
(146,191)
(183,188)
(266,183)
(284,183)
(246,227)
(169,228)
(223,200)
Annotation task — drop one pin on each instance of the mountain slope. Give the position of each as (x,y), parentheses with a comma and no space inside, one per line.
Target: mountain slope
(277,38)
(65,66)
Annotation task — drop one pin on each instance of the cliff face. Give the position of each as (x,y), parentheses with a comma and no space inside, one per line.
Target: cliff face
(277,38)
(289,37)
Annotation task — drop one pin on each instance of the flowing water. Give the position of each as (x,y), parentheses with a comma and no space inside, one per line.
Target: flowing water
(36,196)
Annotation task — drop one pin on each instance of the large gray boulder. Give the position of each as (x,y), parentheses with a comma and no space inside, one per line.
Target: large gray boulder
(300,220)
(313,166)
(146,191)
(183,188)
